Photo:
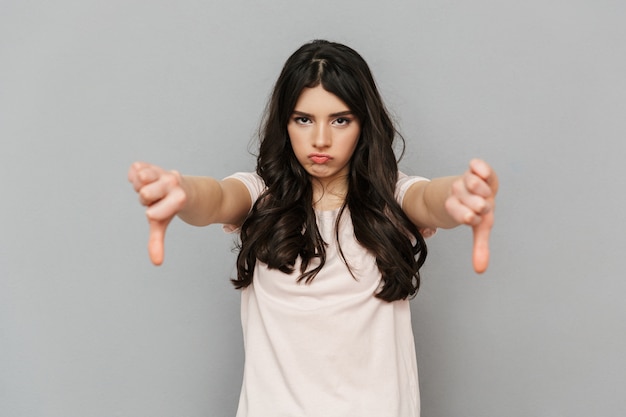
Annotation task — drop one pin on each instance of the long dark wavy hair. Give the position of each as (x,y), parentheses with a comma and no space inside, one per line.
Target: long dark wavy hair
(282,225)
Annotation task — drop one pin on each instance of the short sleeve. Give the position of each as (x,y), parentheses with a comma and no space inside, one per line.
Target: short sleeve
(255,185)
(403,184)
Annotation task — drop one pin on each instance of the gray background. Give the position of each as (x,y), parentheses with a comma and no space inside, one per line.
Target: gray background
(88,327)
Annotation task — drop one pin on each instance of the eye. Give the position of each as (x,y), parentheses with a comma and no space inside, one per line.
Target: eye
(342,121)
(302,120)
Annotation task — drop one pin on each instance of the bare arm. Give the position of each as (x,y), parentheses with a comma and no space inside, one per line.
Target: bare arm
(451,201)
(210,201)
(424,203)
(198,201)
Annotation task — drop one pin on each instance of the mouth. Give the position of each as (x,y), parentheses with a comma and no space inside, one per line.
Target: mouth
(319,158)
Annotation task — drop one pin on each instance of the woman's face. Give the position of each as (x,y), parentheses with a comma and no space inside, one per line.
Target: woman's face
(324,133)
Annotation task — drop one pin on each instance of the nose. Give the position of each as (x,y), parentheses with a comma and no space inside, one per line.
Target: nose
(322,137)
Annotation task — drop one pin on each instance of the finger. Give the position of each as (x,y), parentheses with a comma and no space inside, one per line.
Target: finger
(476,185)
(168,206)
(480,168)
(153,192)
(484,171)
(480,254)
(141,174)
(156,241)
(134,170)
(475,203)
(460,212)
(472,191)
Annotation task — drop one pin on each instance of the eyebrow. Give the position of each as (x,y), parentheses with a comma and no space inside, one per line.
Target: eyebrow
(338,114)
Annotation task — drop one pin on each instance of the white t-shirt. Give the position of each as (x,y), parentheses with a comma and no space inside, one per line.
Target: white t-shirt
(329,348)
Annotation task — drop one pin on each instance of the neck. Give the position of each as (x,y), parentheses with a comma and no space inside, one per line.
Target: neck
(329,195)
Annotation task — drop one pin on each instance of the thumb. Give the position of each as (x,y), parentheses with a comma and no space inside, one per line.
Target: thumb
(480,255)
(156,241)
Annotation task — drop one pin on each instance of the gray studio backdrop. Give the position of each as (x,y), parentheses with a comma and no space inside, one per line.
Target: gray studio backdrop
(88,327)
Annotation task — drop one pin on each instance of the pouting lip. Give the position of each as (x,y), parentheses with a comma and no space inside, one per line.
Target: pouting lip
(319,158)
(319,155)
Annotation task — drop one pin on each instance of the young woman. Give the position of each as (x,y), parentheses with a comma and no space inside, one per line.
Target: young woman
(332,239)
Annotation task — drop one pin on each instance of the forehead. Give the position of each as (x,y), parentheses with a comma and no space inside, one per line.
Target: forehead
(318,100)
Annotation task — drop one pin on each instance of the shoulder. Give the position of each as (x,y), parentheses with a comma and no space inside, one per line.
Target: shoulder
(254,185)
(404,183)
(253,182)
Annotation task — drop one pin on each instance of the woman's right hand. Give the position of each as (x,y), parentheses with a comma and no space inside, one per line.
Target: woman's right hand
(162,193)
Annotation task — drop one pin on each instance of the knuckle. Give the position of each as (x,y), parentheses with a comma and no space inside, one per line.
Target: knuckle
(449,204)
(488,207)
(179,199)
(150,215)
(144,195)
(479,205)
(473,184)
(183,199)
(457,187)
(171,179)
(143,174)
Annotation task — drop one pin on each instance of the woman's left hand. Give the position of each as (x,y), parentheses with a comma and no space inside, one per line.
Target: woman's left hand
(472,202)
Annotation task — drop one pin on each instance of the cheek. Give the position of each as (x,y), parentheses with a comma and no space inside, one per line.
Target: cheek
(355,141)
(295,147)
(293,137)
